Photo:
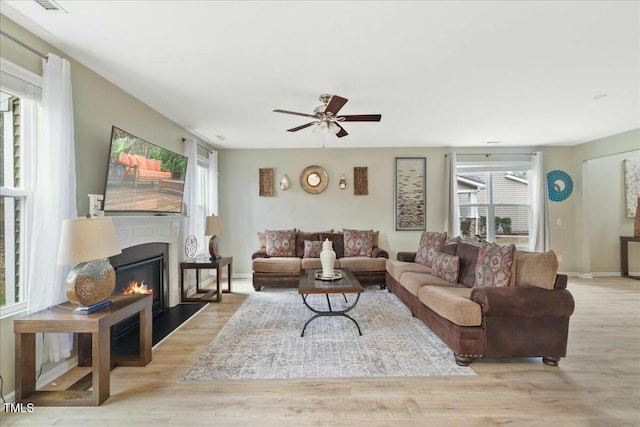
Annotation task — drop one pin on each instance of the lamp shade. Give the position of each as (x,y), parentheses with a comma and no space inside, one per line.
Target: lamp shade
(213,227)
(87,239)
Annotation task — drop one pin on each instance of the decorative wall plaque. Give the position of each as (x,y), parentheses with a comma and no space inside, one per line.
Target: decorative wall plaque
(360,181)
(266,182)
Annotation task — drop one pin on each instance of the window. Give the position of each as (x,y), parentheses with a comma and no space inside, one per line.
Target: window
(495,202)
(18,120)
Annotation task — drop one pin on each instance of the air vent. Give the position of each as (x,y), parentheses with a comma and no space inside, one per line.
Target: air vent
(51,6)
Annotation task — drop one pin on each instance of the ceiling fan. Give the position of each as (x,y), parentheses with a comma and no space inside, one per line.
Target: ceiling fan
(327,119)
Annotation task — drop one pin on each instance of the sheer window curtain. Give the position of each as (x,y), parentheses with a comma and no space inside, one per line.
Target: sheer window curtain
(191,190)
(451,210)
(54,200)
(540,235)
(213,183)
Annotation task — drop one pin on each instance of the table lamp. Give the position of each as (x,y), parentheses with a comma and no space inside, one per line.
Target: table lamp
(213,228)
(87,243)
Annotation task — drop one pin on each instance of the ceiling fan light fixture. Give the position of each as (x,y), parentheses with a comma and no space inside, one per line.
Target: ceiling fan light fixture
(321,128)
(333,128)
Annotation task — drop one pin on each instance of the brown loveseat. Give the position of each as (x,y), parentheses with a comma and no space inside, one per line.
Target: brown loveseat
(279,264)
(527,317)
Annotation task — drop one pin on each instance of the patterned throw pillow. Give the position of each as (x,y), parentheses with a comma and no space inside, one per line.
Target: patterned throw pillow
(281,242)
(312,248)
(430,244)
(358,242)
(446,267)
(494,265)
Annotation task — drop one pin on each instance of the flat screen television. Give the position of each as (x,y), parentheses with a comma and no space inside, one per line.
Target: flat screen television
(142,177)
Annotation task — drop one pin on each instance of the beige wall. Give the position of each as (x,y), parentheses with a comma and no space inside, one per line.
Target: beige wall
(97,106)
(606,222)
(244,212)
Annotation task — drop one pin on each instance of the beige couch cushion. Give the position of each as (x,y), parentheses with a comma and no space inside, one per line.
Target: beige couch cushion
(276,265)
(414,281)
(314,263)
(363,263)
(396,268)
(536,269)
(454,304)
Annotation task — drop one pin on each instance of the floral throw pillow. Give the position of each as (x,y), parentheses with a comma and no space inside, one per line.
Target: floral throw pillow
(430,244)
(494,265)
(446,267)
(358,242)
(281,242)
(312,248)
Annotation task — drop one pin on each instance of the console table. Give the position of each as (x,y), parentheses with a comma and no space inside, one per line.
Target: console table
(205,263)
(624,255)
(96,325)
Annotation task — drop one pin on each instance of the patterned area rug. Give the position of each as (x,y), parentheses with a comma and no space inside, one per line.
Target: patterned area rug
(262,341)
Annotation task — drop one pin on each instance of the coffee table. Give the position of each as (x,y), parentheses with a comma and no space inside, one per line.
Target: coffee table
(349,284)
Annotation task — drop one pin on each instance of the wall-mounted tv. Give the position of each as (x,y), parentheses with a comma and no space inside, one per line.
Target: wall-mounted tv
(143,177)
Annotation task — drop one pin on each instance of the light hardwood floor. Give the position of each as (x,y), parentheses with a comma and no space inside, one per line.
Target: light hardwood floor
(597,384)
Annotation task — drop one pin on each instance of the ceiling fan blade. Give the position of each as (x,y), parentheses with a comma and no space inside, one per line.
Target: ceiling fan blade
(301,127)
(313,116)
(342,132)
(361,118)
(336,103)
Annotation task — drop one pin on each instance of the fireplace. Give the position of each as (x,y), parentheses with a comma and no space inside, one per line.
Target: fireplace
(141,267)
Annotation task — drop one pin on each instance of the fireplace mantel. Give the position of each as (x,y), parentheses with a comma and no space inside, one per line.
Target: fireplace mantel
(138,230)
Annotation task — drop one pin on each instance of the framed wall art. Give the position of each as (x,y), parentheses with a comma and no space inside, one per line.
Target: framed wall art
(632,185)
(410,193)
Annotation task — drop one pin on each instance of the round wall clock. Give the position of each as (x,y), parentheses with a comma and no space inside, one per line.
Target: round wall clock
(191,246)
(560,185)
(314,179)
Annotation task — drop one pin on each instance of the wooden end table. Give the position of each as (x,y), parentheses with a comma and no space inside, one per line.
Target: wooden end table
(98,326)
(205,263)
(624,256)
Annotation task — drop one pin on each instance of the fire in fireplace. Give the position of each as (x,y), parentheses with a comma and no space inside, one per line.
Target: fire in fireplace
(137,288)
(140,269)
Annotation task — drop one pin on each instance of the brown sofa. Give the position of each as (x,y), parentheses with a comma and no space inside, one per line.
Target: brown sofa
(528,318)
(284,271)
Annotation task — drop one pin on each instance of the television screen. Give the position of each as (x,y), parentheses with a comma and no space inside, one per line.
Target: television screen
(142,176)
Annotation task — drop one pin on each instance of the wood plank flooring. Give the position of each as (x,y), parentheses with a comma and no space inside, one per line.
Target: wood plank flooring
(597,384)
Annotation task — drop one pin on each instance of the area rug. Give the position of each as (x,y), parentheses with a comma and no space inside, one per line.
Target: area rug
(262,341)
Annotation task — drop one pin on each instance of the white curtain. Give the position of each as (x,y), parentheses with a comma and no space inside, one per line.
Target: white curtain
(213,184)
(540,236)
(451,211)
(54,200)
(191,187)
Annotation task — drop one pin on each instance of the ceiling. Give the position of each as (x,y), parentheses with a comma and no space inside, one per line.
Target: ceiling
(440,73)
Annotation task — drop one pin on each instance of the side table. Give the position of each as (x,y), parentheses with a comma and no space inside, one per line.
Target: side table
(205,263)
(98,326)
(624,256)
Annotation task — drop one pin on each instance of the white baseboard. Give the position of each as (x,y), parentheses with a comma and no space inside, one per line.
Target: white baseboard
(599,274)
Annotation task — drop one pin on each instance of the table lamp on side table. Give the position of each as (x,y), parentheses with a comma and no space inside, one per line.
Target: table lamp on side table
(87,243)
(213,228)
